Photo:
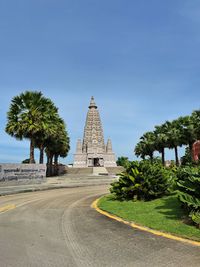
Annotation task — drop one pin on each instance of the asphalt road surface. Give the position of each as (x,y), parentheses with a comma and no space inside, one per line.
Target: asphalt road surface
(59,228)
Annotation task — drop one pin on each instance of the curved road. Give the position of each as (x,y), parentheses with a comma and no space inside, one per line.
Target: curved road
(59,228)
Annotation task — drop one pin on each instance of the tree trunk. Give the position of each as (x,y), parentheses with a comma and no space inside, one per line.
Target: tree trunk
(56,164)
(47,172)
(50,165)
(163,156)
(176,156)
(41,154)
(32,160)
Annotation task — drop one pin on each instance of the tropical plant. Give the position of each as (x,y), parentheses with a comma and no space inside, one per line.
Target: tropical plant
(187,131)
(187,158)
(123,161)
(57,145)
(173,132)
(29,116)
(161,140)
(195,118)
(146,146)
(188,185)
(144,180)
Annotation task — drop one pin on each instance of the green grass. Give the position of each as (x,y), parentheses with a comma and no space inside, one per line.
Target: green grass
(164,214)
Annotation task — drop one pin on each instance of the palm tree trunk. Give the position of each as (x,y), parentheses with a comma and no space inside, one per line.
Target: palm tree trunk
(163,156)
(176,155)
(32,160)
(48,160)
(50,165)
(56,164)
(41,154)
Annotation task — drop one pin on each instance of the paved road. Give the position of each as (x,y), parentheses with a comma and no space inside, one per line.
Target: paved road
(58,228)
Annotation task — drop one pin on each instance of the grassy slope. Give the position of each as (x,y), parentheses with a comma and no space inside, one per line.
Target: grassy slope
(163,214)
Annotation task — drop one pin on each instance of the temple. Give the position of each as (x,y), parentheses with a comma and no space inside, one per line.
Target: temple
(92,151)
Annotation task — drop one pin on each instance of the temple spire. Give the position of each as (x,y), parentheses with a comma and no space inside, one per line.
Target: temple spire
(92,152)
(92,103)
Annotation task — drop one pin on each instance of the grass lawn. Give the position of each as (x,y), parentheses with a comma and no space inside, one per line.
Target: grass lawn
(164,214)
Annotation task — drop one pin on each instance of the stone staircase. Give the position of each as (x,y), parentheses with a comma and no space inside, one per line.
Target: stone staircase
(100,171)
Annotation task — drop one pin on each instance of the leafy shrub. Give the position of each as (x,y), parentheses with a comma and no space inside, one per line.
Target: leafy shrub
(142,180)
(188,184)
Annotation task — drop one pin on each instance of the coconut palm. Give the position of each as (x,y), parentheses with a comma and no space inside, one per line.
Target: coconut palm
(28,116)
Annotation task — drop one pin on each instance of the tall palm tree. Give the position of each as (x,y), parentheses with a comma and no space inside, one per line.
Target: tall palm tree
(42,138)
(195,118)
(146,146)
(173,132)
(161,140)
(140,150)
(27,117)
(57,145)
(187,131)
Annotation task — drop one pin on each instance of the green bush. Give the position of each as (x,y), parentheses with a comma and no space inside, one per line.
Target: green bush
(144,180)
(188,184)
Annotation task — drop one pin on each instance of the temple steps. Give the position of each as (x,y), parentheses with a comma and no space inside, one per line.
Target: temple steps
(95,170)
(100,171)
(85,180)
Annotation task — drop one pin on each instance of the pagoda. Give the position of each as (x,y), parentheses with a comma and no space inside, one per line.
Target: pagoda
(92,151)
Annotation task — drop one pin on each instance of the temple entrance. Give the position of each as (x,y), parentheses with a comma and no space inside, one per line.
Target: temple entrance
(96,162)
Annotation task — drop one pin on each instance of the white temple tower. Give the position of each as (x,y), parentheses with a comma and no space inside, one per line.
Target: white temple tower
(92,152)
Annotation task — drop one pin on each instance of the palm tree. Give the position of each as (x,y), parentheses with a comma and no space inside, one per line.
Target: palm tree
(148,139)
(146,146)
(57,145)
(187,131)
(50,130)
(161,141)
(173,132)
(140,150)
(195,118)
(28,116)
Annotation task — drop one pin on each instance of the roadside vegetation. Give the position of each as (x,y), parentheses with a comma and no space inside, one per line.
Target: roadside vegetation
(161,197)
(163,214)
(33,116)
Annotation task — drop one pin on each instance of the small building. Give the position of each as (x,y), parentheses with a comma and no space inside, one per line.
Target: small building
(92,151)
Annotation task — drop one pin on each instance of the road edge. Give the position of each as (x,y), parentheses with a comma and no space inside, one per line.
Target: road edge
(94,205)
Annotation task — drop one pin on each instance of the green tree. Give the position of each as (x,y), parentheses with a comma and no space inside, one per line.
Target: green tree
(57,145)
(42,138)
(173,132)
(161,140)
(123,161)
(140,150)
(28,116)
(187,131)
(146,146)
(195,118)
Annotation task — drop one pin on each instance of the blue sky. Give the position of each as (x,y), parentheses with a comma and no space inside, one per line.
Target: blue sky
(140,60)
